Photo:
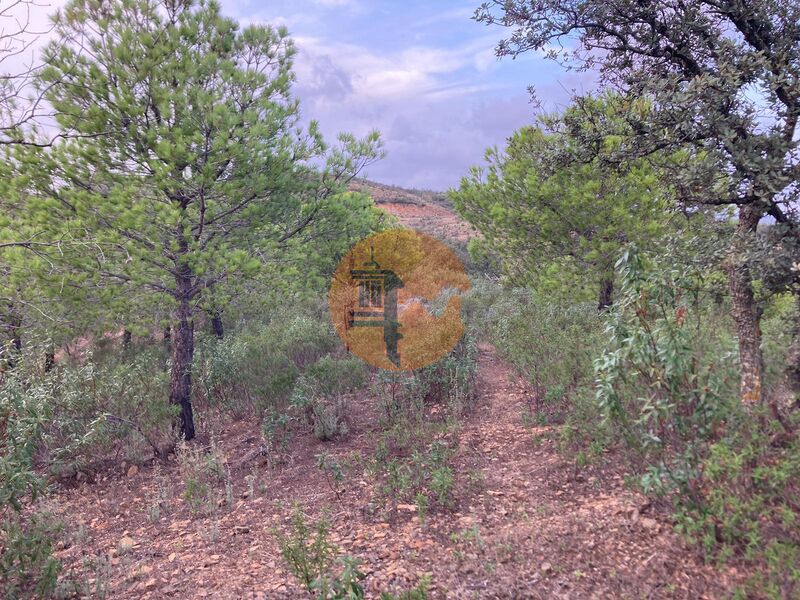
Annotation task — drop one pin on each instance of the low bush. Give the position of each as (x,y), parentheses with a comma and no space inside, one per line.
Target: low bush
(203,473)
(323,391)
(749,507)
(311,558)
(448,383)
(255,369)
(666,381)
(28,568)
(553,344)
(420,473)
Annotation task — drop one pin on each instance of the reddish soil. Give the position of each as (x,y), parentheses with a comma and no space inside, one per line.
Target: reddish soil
(529,525)
(422,210)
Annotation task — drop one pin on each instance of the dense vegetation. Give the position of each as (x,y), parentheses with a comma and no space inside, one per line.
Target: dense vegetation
(165,252)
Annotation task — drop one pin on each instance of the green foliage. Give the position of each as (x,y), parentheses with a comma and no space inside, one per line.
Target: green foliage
(87,410)
(255,367)
(333,470)
(665,383)
(310,556)
(24,414)
(559,225)
(567,337)
(418,593)
(28,568)
(424,477)
(323,390)
(448,383)
(275,431)
(749,507)
(203,473)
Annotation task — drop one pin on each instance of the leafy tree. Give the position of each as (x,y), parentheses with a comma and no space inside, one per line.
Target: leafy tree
(721,77)
(557,221)
(188,166)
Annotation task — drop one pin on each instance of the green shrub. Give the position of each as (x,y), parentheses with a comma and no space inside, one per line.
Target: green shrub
(323,391)
(424,477)
(665,383)
(310,556)
(449,381)
(418,593)
(112,406)
(553,344)
(203,473)
(750,507)
(27,566)
(276,434)
(256,368)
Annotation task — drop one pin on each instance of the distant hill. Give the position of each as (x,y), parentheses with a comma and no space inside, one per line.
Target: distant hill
(424,210)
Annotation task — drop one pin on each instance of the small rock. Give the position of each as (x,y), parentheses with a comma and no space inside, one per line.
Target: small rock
(133,470)
(546,567)
(649,523)
(126,543)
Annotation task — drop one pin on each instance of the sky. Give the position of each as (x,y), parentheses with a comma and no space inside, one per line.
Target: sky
(423,73)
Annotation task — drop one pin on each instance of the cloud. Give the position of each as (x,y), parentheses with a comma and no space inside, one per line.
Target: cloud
(337,3)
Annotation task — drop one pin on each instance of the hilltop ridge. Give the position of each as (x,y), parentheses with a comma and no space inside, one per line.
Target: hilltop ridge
(427,211)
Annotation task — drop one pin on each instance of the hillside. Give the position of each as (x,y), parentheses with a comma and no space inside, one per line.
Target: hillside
(424,210)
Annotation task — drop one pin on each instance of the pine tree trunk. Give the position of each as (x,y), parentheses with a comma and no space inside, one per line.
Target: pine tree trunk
(182,353)
(745,312)
(606,296)
(216,325)
(14,329)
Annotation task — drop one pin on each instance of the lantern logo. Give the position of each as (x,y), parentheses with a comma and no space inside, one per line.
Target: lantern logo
(394,299)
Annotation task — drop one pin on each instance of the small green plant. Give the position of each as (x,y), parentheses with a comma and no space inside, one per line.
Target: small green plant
(203,472)
(323,391)
(158,501)
(276,434)
(425,477)
(27,566)
(418,593)
(310,556)
(333,470)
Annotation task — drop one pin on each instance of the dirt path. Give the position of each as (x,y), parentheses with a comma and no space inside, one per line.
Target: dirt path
(528,525)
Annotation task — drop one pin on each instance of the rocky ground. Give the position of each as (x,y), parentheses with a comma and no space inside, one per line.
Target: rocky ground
(526,523)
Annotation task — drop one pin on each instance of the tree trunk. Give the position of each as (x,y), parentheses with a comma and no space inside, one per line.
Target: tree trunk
(49,360)
(126,340)
(216,325)
(605,299)
(744,310)
(14,329)
(182,353)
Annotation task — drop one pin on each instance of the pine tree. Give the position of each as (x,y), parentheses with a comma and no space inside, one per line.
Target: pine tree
(187,163)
